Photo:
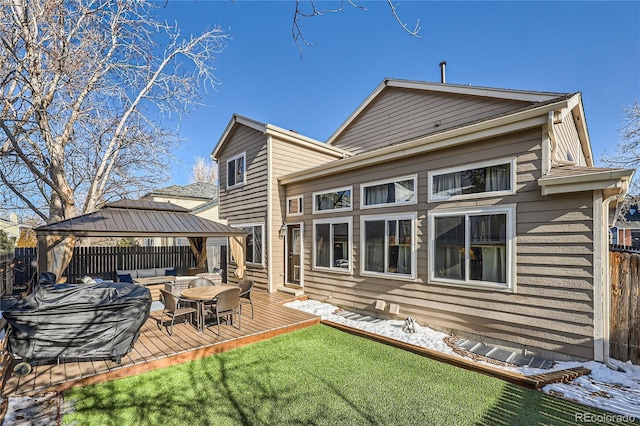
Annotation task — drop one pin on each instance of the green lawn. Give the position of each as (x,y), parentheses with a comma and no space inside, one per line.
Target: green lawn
(316,376)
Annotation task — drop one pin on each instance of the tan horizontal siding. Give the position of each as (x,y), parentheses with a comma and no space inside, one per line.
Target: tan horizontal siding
(286,157)
(245,203)
(552,306)
(568,141)
(399,114)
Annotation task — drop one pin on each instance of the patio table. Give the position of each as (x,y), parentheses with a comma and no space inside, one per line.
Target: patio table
(201,295)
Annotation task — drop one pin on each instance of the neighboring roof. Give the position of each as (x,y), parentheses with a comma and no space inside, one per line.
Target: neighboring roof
(139,218)
(280,133)
(196,190)
(522,118)
(205,206)
(518,95)
(628,218)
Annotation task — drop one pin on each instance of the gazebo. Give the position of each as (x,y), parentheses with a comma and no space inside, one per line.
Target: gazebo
(134,218)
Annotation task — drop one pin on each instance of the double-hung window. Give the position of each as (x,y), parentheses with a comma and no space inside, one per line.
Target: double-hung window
(389,192)
(388,244)
(491,178)
(473,247)
(332,200)
(254,246)
(236,170)
(332,244)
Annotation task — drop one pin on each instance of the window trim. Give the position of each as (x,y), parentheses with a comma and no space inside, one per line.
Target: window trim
(363,186)
(413,216)
(349,221)
(301,201)
(262,245)
(343,209)
(431,198)
(242,155)
(511,255)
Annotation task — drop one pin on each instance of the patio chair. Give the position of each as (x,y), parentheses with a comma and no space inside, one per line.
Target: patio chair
(173,308)
(203,282)
(227,305)
(245,294)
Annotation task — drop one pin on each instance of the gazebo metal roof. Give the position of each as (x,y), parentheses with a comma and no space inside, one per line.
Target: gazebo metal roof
(139,218)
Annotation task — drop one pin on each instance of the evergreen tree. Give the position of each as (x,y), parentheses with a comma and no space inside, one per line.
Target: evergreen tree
(6,244)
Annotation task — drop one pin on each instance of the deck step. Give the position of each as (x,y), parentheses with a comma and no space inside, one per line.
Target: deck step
(293,291)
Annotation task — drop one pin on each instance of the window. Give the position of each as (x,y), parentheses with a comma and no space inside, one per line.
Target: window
(390,192)
(473,247)
(388,244)
(236,171)
(485,179)
(254,247)
(294,206)
(332,244)
(334,200)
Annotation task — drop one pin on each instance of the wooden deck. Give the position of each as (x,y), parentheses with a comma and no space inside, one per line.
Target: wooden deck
(155,349)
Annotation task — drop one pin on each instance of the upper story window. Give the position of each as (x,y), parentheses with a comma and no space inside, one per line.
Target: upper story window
(486,179)
(473,246)
(389,192)
(294,205)
(236,170)
(333,200)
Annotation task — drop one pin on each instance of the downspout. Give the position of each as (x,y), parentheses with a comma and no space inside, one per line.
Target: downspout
(607,291)
(269,226)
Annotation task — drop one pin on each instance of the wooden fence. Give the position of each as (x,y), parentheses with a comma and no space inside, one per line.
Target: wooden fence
(102,262)
(624,269)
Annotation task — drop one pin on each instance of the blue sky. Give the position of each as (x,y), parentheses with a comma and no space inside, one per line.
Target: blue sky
(588,47)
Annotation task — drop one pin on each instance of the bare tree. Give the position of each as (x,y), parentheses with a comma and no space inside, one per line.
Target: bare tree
(312,10)
(627,154)
(204,171)
(83,87)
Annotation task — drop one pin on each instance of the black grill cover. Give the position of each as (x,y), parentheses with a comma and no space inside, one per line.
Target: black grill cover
(77,320)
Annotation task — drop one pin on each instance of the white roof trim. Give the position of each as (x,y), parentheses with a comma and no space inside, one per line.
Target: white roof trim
(519,95)
(277,132)
(608,179)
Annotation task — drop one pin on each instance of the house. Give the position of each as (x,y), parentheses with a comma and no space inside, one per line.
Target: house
(11,226)
(476,211)
(201,198)
(626,231)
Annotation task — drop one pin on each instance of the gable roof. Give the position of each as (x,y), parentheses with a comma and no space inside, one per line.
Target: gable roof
(628,219)
(139,218)
(519,95)
(275,131)
(529,116)
(197,190)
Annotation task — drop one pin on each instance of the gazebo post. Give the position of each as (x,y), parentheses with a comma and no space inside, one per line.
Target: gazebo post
(42,253)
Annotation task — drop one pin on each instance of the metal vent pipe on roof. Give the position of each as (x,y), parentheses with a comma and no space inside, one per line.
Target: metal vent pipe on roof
(443,77)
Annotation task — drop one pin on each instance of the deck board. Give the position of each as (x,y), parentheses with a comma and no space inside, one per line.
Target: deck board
(155,349)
